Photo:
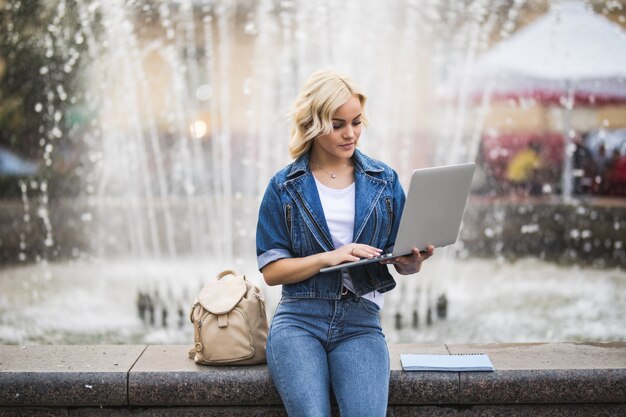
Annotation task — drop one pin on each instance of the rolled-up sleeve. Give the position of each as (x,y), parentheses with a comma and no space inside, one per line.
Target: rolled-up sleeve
(273,241)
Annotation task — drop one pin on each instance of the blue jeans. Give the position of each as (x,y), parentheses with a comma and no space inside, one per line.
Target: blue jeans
(315,344)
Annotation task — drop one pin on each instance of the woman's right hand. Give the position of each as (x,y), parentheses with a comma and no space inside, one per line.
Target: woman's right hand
(350,253)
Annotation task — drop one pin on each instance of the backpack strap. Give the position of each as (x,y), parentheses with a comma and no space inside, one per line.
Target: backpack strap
(229,272)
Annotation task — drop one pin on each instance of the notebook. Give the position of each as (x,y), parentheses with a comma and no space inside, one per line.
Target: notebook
(432,213)
(446,363)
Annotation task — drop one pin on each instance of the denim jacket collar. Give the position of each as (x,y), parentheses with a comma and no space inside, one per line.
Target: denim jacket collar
(361,162)
(301,185)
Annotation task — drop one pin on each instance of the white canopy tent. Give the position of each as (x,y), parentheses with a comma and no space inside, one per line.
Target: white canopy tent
(569,45)
(569,56)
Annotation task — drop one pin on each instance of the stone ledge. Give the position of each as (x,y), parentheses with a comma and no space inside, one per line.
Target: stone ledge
(149,377)
(552,410)
(534,373)
(165,376)
(421,387)
(66,375)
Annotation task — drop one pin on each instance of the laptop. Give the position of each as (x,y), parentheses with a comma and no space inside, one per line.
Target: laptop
(432,213)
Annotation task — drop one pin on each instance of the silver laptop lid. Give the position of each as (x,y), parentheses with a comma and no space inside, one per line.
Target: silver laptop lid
(434,207)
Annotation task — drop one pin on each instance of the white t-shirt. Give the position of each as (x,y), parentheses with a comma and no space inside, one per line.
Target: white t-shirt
(339,209)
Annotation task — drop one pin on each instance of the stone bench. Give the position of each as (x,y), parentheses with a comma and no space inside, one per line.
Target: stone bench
(530,379)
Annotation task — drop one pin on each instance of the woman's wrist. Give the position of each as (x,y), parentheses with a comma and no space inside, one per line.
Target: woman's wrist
(323,259)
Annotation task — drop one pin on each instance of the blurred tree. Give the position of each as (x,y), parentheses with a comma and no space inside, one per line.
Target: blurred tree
(42,48)
(21,83)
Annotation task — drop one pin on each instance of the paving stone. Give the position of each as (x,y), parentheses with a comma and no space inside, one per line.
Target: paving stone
(421,387)
(546,373)
(164,375)
(220,412)
(552,410)
(65,375)
(110,412)
(33,412)
(535,356)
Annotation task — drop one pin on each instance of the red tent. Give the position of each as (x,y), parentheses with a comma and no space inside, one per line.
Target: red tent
(569,57)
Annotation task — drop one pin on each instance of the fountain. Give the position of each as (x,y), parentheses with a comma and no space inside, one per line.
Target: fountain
(158,124)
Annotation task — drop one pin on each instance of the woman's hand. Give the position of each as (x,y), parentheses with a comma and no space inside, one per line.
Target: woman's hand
(411,264)
(350,253)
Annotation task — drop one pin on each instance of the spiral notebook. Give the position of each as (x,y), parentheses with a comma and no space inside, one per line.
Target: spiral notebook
(446,363)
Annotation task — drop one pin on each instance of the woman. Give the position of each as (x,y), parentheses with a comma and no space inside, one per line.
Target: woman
(333,204)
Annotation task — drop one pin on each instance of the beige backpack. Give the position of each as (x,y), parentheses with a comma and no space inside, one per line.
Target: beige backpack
(229,321)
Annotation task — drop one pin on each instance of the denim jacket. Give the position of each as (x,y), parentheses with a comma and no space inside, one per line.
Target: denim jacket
(291,223)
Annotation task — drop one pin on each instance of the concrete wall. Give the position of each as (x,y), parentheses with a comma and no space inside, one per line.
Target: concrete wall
(587,233)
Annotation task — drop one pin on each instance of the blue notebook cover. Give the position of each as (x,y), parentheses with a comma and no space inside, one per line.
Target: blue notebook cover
(445,362)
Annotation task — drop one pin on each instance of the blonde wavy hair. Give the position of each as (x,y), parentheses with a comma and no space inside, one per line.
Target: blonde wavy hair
(322,94)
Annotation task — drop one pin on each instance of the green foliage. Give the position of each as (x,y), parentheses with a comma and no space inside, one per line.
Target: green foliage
(43,49)
(41,53)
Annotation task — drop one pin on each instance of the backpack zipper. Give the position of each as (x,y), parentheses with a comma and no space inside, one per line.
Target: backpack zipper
(261,305)
(201,320)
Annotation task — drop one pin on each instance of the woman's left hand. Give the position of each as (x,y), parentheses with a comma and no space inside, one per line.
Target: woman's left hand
(410,264)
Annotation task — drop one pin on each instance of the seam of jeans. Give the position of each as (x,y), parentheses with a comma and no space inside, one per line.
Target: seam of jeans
(339,400)
(280,377)
(330,326)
